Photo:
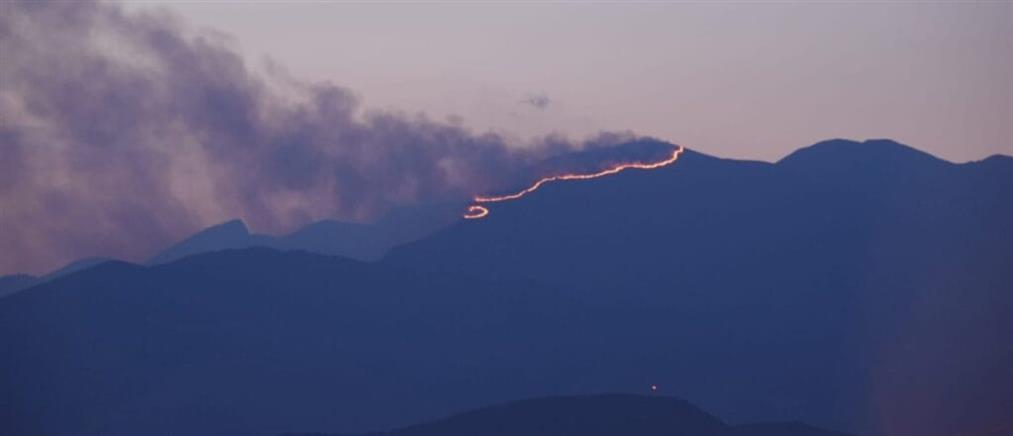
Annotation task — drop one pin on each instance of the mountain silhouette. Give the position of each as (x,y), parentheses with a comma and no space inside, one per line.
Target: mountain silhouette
(594,415)
(869,300)
(17,282)
(10,284)
(228,235)
(354,240)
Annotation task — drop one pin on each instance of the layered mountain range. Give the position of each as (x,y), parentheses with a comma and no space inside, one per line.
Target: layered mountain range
(857,286)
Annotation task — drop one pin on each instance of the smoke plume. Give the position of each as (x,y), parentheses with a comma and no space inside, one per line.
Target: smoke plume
(122,132)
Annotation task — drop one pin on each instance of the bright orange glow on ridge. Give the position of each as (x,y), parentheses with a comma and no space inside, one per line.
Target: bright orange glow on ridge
(476,211)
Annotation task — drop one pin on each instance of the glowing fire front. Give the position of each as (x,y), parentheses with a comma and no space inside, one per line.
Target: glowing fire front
(477,211)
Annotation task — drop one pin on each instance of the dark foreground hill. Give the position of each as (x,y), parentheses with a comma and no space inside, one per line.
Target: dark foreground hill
(595,415)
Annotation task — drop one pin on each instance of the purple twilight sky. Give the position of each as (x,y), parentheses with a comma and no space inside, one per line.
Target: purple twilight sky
(737,79)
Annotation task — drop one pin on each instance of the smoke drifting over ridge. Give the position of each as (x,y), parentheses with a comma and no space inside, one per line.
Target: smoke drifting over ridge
(121,132)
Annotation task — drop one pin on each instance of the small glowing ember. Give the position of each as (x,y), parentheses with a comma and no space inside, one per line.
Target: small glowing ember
(477,211)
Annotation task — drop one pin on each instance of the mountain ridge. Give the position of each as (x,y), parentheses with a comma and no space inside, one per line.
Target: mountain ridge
(363,241)
(318,236)
(14,283)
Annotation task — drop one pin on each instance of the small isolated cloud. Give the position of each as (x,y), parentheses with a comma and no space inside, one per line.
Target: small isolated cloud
(538,101)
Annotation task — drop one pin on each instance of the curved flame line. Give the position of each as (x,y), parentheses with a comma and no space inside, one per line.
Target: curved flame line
(636,165)
(476,212)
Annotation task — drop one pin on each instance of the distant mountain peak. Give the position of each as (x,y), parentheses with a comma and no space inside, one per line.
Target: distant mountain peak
(870,150)
(873,160)
(234,226)
(230,234)
(363,241)
(995,160)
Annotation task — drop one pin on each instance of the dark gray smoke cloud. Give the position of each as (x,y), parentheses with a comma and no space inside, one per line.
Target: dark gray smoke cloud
(122,132)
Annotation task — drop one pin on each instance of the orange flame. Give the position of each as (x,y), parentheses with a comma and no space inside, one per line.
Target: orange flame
(476,211)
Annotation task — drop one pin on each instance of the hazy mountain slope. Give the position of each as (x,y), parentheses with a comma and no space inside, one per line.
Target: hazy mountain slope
(228,235)
(370,241)
(354,240)
(594,415)
(17,282)
(866,276)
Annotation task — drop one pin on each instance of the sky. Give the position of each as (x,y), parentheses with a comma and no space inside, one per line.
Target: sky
(741,79)
(125,127)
